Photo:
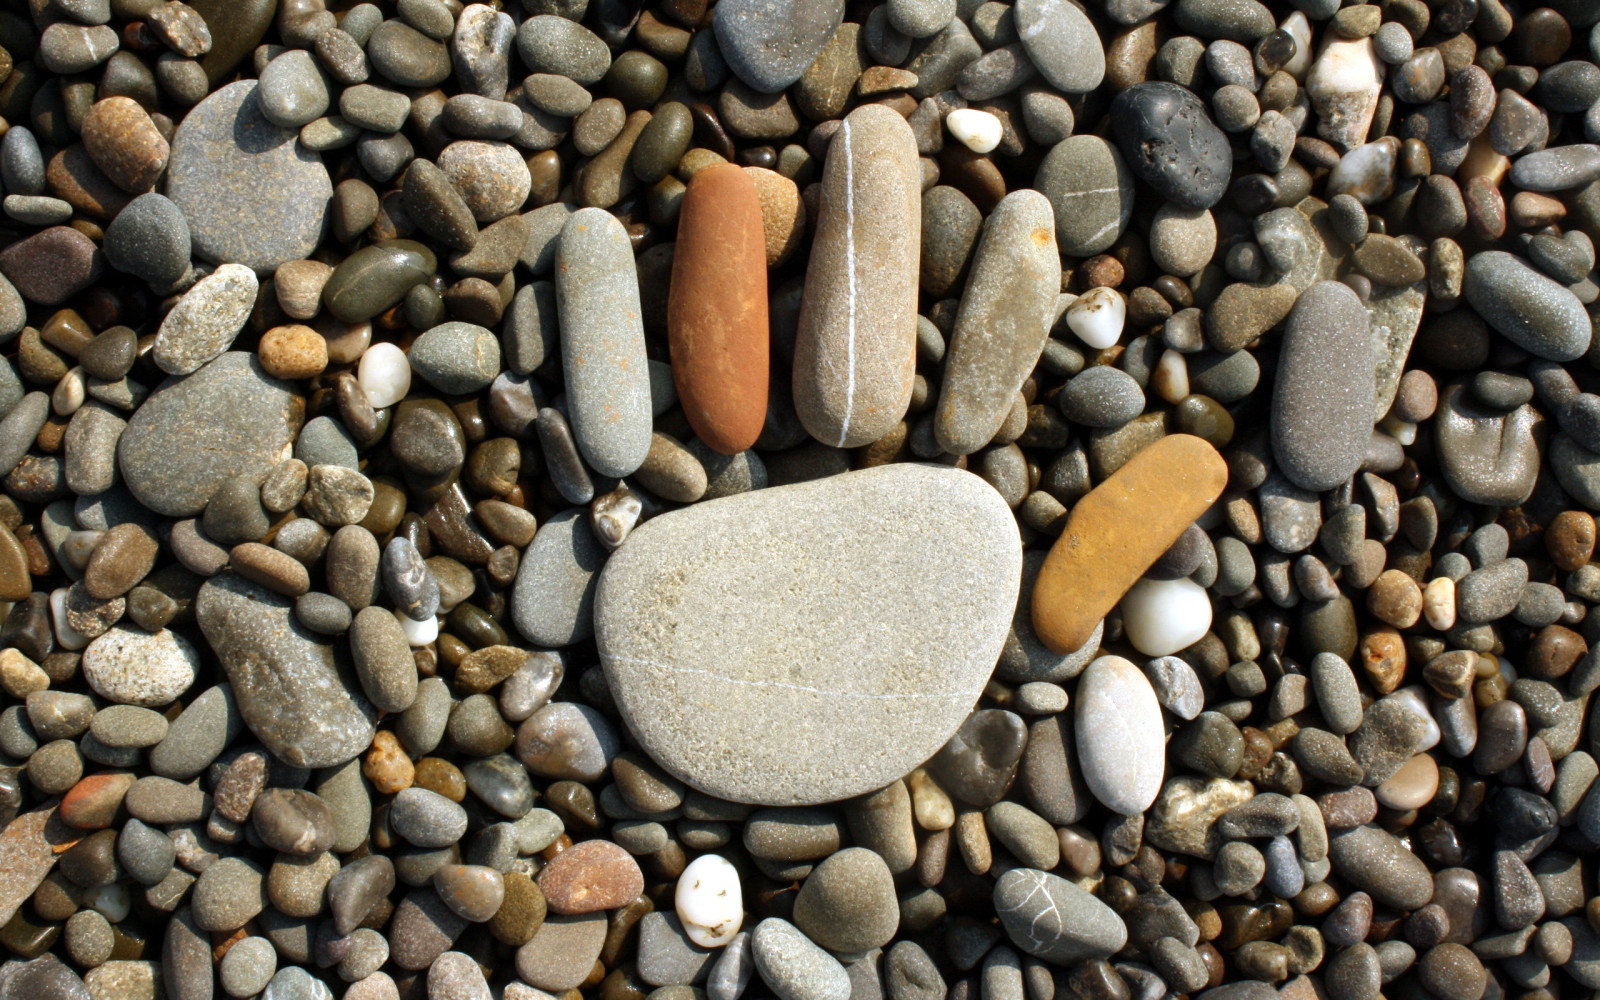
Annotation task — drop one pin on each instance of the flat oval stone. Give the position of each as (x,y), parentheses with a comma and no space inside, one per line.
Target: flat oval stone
(194,432)
(748,610)
(1121,740)
(1091,190)
(552,600)
(770,44)
(288,690)
(376,277)
(717,309)
(1172,144)
(602,342)
(1532,311)
(1322,401)
(1373,860)
(1050,918)
(1118,531)
(1002,324)
(206,319)
(252,194)
(855,348)
(1062,42)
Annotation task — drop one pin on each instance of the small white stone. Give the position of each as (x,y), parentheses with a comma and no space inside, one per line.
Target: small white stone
(1162,617)
(1439,603)
(978,130)
(1343,85)
(708,900)
(130,666)
(384,374)
(419,633)
(1176,685)
(1171,377)
(1120,737)
(1097,317)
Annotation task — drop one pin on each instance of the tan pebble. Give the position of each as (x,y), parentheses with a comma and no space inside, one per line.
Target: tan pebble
(1383,657)
(1411,787)
(783,214)
(1395,599)
(930,804)
(298,286)
(293,351)
(20,676)
(387,766)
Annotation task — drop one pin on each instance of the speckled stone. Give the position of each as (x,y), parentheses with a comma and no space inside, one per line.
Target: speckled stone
(689,588)
(252,194)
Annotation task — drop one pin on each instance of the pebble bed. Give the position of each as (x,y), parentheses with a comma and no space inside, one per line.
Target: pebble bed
(796,499)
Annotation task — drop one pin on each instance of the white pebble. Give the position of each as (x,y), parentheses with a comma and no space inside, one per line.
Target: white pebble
(978,130)
(1097,317)
(384,374)
(1164,616)
(1439,603)
(418,633)
(709,902)
(70,392)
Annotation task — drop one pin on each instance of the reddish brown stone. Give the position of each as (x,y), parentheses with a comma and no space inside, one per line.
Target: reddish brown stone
(92,803)
(590,876)
(1118,531)
(717,309)
(1570,539)
(52,265)
(73,177)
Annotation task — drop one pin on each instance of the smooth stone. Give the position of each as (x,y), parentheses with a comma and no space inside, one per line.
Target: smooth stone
(1118,531)
(708,902)
(562,952)
(1162,617)
(1343,85)
(1120,739)
(288,690)
(794,966)
(1487,456)
(374,278)
(245,418)
(552,600)
(456,358)
(150,239)
(855,348)
(717,325)
(292,90)
(1002,323)
(1091,191)
(1063,44)
(769,45)
(250,192)
(1170,141)
(847,903)
(551,44)
(608,381)
(1374,861)
(1323,399)
(671,602)
(1532,311)
(1053,919)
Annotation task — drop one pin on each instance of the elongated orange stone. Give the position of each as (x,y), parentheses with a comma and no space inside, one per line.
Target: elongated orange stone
(717,309)
(1118,531)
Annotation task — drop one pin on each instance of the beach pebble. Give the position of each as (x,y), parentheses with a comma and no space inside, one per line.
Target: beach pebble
(1119,734)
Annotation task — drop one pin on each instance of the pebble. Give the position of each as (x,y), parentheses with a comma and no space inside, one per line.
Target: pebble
(1118,531)
(456,358)
(591,876)
(1163,617)
(1091,192)
(717,309)
(655,675)
(770,45)
(1172,144)
(854,351)
(287,689)
(1062,43)
(1050,918)
(1320,427)
(129,666)
(1531,310)
(228,173)
(608,386)
(847,903)
(708,902)
(1119,744)
(1002,323)
(794,966)
(205,321)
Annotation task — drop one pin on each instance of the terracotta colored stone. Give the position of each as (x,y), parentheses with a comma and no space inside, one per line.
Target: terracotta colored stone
(855,346)
(1570,539)
(125,144)
(293,351)
(590,876)
(387,766)
(73,177)
(1118,531)
(717,309)
(93,802)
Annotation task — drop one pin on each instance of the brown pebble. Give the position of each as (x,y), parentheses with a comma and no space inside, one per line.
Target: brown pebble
(125,144)
(276,570)
(1569,539)
(125,555)
(387,766)
(590,876)
(293,351)
(1383,658)
(1395,599)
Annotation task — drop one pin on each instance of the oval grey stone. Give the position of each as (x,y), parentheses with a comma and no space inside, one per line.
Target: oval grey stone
(1532,311)
(1091,190)
(1322,401)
